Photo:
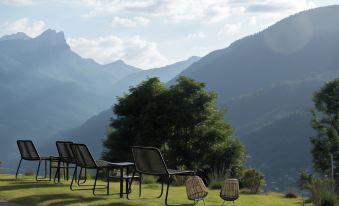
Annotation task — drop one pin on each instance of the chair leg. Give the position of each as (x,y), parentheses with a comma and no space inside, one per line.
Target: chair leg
(140,179)
(85,176)
(45,176)
(168,185)
(95,181)
(107,180)
(67,171)
(17,170)
(140,182)
(57,173)
(37,172)
(79,178)
(130,186)
(50,169)
(74,176)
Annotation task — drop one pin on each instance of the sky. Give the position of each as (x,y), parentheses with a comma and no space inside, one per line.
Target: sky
(147,33)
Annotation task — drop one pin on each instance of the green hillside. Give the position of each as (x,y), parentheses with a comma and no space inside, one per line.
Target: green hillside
(28,192)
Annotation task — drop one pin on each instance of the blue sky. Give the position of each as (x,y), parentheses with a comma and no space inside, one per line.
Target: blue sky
(147,33)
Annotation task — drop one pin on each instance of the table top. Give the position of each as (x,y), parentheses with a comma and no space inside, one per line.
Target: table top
(121,164)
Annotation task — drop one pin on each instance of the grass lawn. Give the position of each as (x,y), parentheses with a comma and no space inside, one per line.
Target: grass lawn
(28,192)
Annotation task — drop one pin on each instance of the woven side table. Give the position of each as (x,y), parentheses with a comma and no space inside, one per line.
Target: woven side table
(196,189)
(230,190)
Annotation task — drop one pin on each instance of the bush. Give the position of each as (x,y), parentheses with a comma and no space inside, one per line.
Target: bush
(179,180)
(217,177)
(291,194)
(29,173)
(148,179)
(323,193)
(253,180)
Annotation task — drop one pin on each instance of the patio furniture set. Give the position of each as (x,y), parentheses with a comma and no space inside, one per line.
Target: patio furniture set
(147,161)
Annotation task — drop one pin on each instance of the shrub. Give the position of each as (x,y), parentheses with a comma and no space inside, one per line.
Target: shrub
(253,180)
(148,179)
(217,177)
(291,194)
(29,173)
(323,193)
(179,180)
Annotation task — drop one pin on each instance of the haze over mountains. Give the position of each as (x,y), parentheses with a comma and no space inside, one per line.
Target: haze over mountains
(45,87)
(265,80)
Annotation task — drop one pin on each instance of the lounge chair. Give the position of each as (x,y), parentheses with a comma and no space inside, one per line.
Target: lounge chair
(66,160)
(149,161)
(84,160)
(28,152)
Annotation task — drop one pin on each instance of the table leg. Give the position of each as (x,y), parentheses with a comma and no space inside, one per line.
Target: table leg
(121,181)
(108,171)
(127,179)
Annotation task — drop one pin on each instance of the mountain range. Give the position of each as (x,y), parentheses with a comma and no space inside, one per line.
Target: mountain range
(265,80)
(46,88)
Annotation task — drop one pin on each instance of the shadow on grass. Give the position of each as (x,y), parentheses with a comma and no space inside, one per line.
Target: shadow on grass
(58,199)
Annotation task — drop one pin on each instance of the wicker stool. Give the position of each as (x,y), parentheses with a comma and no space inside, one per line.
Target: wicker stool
(230,190)
(196,189)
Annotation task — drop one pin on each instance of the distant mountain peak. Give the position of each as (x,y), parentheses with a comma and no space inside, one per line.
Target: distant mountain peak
(119,62)
(53,37)
(18,35)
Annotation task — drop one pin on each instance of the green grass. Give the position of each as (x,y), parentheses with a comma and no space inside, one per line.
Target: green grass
(28,192)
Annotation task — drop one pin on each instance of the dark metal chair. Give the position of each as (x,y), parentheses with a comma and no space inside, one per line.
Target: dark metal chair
(28,152)
(84,160)
(66,161)
(149,161)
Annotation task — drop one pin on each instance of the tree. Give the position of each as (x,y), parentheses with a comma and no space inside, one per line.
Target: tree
(325,121)
(253,180)
(181,120)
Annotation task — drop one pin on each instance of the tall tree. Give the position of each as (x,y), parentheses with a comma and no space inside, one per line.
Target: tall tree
(181,120)
(326,123)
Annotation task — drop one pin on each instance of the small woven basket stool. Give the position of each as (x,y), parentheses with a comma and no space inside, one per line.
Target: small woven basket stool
(230,190)
(196,189)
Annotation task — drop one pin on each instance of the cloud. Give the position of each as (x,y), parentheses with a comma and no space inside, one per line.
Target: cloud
(211,11)
(24,25)
(195,11)
(200,35)
(133,50)
(18,2)
(230,29)
(132,22)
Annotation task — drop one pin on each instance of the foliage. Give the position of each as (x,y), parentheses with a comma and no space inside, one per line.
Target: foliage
(149,179)
(253,180)
(323,193)
(305,180)
(217,177)
(326,123)
(291,194)
(181,120)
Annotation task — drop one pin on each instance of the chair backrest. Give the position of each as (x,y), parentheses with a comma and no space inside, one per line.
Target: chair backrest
(230,190)
(82,155)
(65,151)
(148,160)
(27,150)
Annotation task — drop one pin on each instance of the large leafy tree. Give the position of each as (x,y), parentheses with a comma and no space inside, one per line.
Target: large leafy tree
(326,123)
(181,120)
